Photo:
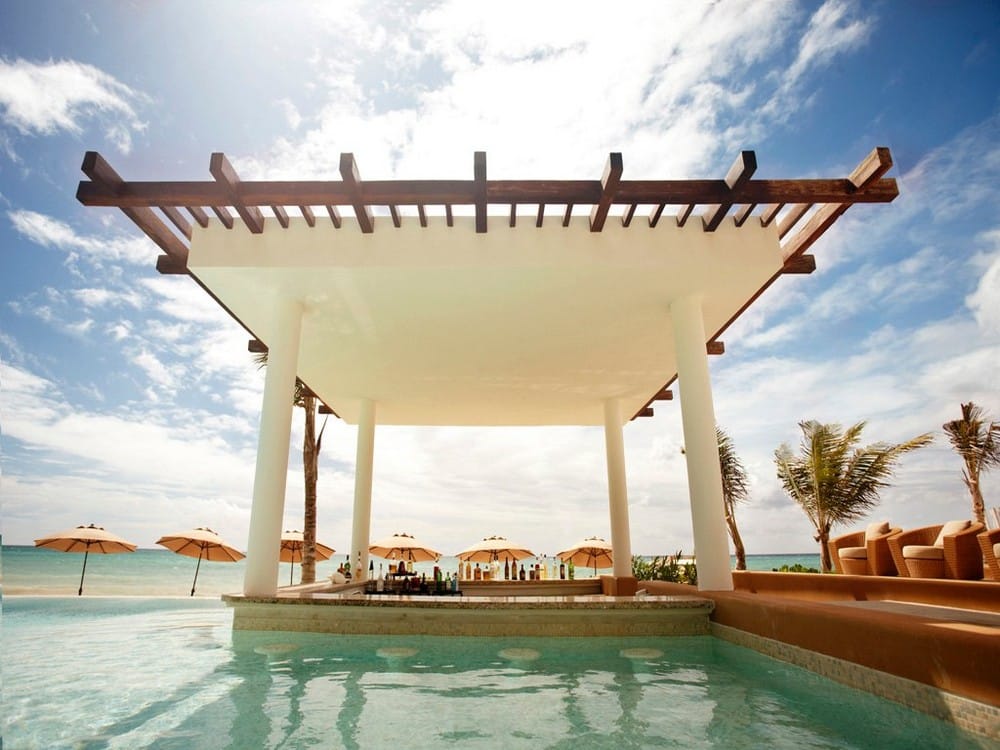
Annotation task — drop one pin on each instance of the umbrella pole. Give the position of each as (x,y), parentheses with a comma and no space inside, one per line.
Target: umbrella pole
(291,573)
(197,568)
(86,552)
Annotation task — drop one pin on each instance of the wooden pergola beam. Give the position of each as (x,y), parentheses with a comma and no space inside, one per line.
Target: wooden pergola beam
(479,189)
(352,181)
(224,174)
(609,185)
(739,173)
(100,173)
(256,346)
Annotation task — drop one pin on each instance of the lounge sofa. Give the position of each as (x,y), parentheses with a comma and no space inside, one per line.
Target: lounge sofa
(948,550)
(865,553)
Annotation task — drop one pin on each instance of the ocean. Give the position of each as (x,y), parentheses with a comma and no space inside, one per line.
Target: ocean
(28,570)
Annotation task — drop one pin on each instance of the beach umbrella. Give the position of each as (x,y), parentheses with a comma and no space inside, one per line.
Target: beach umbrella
(591,552)
(202,543)
(291,550)
(404,547)
(494,548)
(84,539)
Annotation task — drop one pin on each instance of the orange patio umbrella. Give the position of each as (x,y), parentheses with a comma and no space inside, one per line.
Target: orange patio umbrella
(84,539)
(202,543)
(291,551)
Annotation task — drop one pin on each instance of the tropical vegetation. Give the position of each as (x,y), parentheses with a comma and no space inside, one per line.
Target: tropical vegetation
(673,568)
(735,489)
(977,440)
(835,481)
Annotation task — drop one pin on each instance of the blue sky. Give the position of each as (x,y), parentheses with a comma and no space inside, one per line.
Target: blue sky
(128,399)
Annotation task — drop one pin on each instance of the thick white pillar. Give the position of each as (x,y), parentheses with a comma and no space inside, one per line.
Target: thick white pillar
(264,541)
(614,444)
(361,528)
(701,447)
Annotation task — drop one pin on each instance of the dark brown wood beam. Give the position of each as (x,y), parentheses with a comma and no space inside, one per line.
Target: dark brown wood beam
(743,213)
(256,346)
(308,215)
(866,174)
(629,213)
(422,214)
(324,409)
(567,214)
(513,215)
(352,181)
(800,264)
(656,213)
(739,174)
(462,192)
(281,215)
(448,217)
(168,265)
(479,189)
(198,214)
(791,218)
(334,215)
(664,395)
(715,347)
(683,213)
(224,216)
(101,173)
(770,213)
(397,220)
(224,174)
(646,412)
(177,219)
(541,215)
(609,184)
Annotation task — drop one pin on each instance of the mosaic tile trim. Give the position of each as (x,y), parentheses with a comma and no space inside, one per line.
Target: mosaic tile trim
(972,716)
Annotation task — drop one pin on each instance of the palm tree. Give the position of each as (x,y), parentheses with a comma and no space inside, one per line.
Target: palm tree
(977,441)
(311,446)
(833,480)
(735,488)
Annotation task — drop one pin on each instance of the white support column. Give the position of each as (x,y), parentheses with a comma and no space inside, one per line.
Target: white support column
(361,528)
(264,541)
(614,443)
(711,540)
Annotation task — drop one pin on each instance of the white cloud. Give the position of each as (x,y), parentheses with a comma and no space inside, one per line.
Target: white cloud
(50,232)
(985,300)
(43,98)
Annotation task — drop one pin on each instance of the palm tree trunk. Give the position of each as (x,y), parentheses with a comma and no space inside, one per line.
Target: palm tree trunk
(978,506)
(310,461)
(823,537)
(734,534)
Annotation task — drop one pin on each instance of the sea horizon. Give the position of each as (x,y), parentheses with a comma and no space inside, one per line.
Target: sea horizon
(26,570)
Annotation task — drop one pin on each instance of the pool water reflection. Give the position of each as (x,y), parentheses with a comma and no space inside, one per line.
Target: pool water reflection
(160,673)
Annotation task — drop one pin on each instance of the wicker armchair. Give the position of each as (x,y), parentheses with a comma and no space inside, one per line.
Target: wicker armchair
(864,553)
(989,542)
(918,553)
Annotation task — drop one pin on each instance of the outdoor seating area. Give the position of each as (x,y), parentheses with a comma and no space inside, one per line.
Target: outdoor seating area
(957,550)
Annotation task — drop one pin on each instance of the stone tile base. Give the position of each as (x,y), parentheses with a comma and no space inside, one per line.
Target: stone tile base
(972,716)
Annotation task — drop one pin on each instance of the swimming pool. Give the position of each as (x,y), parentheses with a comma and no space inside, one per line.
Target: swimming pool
(170,673)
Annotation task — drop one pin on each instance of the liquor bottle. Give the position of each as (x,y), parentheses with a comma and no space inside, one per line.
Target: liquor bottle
(572,569)
(380,583)
(454,583)
(357,567)
(506,568)
(477,574)
(371,569)
(545,568)
(347,567)
(468,570)
(521,573)
(562,570)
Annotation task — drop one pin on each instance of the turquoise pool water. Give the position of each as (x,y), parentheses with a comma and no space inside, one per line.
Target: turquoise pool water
(170,673)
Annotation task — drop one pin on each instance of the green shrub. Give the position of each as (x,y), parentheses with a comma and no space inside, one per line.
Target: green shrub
(671,568)
(797,568)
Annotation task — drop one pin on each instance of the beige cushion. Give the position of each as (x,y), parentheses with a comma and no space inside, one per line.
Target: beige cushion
(876,530)
(996,551)
(950,528)
(854,553)
(923,552)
